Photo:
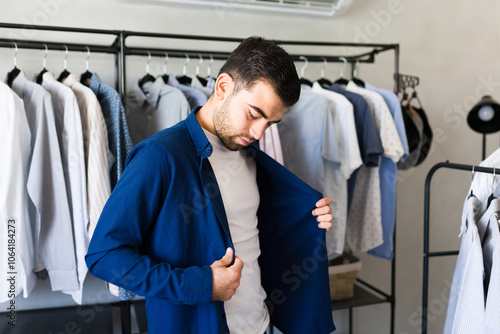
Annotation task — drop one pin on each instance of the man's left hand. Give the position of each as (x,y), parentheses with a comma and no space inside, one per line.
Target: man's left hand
(324,213)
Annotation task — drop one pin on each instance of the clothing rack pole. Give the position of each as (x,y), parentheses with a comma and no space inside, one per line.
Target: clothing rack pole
(427,254)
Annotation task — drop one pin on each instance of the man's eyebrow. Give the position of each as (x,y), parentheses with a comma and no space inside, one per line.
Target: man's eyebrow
(262,113)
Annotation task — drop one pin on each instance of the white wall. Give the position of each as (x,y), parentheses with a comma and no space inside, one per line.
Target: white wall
(451,45)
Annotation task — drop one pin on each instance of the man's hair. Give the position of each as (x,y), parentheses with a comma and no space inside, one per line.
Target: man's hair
(258,59)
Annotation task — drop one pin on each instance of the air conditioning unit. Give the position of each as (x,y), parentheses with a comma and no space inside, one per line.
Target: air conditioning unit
(317,7)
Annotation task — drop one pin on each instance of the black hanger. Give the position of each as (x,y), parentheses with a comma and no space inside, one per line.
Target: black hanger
(85,77)
(341,80)
(303,80)
(492,196)
(164,76)
(39,78)
(355,79)
(184,79)
(15,71)
(64,74)
(325,83)
(148,77)
(358,82)
(306,82)
(12,75)
(202,80)
(471,183)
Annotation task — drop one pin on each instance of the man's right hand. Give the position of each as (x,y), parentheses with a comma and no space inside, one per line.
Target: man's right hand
(226,279)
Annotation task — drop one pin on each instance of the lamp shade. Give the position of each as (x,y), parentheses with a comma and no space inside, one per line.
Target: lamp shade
(484,117)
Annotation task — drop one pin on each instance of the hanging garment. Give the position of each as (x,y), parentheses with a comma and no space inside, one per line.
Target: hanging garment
(388,177)
(194,96)
(364,231)
(491,318)
(153,107)
(370,145)
(350,160)
(48,208)
(414,127)
(69,129)
(392,101)
(175,275)
(270,143)
(98,157)
(483,184)
(196,84)
(465,312)
(116,123)
(426,136)
(16,236)
(486,227)
(120,143)
(309,143)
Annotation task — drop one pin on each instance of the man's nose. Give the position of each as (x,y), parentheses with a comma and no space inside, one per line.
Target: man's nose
(257,130)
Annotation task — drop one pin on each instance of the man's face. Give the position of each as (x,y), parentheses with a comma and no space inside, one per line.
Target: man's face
(243,117)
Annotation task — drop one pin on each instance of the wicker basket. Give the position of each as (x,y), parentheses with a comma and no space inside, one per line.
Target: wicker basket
(343,271)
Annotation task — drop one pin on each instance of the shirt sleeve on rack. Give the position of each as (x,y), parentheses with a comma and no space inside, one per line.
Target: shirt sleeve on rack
(114,253)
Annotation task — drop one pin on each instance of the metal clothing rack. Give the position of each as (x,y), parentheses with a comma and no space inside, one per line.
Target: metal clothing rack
(427,254)
(366,294)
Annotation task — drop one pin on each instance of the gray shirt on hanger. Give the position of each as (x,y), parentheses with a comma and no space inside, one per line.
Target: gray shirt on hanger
(154,107)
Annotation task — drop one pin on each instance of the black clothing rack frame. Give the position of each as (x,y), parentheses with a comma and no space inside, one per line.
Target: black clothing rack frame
(365,293)
(427,254)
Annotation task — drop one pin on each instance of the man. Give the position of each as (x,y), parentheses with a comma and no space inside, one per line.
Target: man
(200,189)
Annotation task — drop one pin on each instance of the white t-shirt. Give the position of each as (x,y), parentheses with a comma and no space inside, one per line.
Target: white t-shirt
(236,175)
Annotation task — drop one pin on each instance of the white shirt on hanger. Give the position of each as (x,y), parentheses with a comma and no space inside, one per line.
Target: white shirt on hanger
(492,310)
(97,154)
(70,133)
(271,143)
(98,157)
(49,209)
(485,184)
(466,304)
(15,228)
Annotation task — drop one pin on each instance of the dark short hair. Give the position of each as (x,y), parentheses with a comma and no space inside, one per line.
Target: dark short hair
(258,59)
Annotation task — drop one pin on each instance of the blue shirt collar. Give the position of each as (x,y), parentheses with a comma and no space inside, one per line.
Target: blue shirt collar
(203,146)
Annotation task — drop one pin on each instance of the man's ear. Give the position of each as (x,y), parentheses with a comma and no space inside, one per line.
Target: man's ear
(224,87)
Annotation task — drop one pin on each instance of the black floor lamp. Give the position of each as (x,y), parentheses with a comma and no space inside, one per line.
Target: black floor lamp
(484,118)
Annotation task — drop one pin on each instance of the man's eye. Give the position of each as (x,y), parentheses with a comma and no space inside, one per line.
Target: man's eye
(251,115)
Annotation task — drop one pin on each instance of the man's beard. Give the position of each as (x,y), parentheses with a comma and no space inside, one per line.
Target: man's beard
(223,129)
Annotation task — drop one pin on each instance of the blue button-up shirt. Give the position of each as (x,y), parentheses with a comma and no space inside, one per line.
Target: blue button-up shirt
(165,224)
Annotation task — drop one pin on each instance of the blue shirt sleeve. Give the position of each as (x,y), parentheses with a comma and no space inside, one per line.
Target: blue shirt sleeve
(115,254)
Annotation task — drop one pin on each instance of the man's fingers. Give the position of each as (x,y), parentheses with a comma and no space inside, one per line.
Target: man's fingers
(325,218)
(323,202)
(322,211)
(227,258)
(238,264)
(325,226)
